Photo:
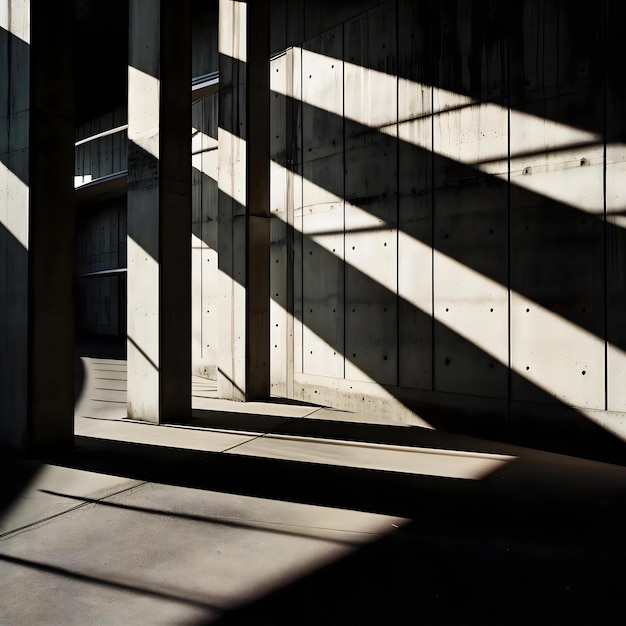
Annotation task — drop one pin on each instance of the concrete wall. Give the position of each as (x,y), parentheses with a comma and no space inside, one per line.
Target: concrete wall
(36,225)
(102,147)
(101,237)
(447,229)
(204,236)
(204,17)
(101,151)
(455,171)
(100,251)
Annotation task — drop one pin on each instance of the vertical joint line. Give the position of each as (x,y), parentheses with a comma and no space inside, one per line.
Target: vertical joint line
(398,298)
(605,239)
(289,240)
(433,324)
(246,267)
(300,232)
(343,123)
(509,382)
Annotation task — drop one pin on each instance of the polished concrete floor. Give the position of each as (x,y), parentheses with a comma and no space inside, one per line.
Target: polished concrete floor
(272,513)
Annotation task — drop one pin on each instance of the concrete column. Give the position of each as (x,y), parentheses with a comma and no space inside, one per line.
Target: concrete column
(243,206)
(159,211)
(36,225)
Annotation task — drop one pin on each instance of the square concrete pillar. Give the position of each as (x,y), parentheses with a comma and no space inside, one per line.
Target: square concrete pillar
(159,211)
(36,225)
(243,204)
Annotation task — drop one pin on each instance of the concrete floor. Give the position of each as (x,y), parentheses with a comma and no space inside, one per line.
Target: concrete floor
(270,513)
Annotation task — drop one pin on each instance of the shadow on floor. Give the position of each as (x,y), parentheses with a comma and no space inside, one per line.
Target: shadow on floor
(426,580)
(538,541)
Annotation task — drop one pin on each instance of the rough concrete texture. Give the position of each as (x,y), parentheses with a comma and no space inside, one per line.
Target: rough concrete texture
(36,222)
(243,366)
(457,215)
(297,520)
(416,265)
(159,212)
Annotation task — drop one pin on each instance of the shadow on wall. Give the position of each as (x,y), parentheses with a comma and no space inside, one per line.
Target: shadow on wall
(461,60)
(13,334)
(494,426)
(509,257)
(14,239)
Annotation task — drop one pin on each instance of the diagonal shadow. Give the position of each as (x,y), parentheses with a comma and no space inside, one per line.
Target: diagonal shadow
(425,580)
(498,52)
(506,490)
(539,540)
(552,280)
(492,425)
(36,129)
(103,582)
(564,282)
(13,334)
(540,279)
(228,523)
(14,106)
(554,245)
(513,547)
(568,282)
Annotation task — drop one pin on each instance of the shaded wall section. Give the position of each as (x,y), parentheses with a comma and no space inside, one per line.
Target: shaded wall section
(101,267)
(451,175)
(36,224)
(446,213)
(204,266)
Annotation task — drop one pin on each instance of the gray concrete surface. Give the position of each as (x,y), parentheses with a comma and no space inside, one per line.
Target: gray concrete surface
(158,554)
(243,363)
(159,211)
(438,268)
(270,513)
(36,217)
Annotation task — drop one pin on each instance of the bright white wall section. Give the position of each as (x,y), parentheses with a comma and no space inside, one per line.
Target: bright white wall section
(233,29)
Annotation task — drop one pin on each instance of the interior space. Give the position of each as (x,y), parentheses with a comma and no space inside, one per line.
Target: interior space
(311,312)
